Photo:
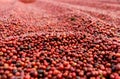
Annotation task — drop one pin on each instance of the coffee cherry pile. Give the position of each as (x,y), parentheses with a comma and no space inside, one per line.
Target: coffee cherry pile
(60,56)
(89,50)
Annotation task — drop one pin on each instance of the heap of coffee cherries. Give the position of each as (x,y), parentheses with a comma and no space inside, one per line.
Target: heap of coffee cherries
(84,53)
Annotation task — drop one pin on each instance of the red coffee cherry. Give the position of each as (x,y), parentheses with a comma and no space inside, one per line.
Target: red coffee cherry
(27,1)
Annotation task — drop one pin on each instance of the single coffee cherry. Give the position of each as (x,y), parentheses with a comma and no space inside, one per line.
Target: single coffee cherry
(27,1)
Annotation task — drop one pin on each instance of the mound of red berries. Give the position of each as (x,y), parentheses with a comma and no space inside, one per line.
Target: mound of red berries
(75,48)
(59,56)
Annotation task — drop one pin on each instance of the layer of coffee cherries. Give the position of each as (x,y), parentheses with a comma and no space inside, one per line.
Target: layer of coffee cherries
(60,56)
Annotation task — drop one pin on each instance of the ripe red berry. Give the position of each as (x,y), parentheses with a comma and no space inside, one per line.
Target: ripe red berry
(27,1)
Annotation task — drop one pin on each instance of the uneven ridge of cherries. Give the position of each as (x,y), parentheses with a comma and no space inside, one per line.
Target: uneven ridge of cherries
(87,53)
